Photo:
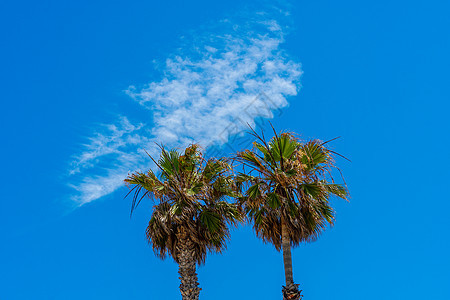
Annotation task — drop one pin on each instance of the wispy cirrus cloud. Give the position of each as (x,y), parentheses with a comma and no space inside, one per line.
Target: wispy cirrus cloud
(203,90)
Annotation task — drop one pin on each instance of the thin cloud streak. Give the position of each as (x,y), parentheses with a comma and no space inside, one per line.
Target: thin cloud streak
(203,91)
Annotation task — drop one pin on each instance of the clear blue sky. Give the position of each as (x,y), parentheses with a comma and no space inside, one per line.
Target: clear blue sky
(375,73)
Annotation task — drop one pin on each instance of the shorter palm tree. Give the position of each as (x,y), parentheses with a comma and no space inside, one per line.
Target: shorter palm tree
(285,193)
(191,216)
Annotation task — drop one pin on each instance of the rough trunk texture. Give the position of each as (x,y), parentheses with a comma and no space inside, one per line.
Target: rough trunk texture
(290,291)
(187,268)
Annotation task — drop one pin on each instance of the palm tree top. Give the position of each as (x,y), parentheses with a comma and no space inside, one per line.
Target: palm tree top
(190,195)
(287,180)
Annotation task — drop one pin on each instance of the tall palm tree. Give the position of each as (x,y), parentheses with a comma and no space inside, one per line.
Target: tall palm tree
(191,216)
(285,190)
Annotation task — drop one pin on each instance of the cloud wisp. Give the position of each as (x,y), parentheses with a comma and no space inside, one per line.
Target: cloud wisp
(231,77)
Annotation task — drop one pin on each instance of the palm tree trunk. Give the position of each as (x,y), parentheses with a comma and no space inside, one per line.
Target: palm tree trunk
(287,257)
(187,268)
(290,291)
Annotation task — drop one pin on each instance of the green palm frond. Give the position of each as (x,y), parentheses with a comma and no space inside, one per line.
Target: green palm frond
(210,219)
(254,192)
(169,163)
(283,146)
(338,190)
(315,154)
(273,200)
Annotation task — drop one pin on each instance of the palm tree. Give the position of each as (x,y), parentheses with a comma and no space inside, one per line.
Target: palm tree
(191,216)
(285,190)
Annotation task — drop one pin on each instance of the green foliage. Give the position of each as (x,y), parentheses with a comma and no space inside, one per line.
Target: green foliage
(190,198)
(291,183)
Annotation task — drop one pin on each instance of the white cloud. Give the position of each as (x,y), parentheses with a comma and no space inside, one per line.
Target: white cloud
(233,78)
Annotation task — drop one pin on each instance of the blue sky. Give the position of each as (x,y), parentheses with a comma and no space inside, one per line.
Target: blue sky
(87,85)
